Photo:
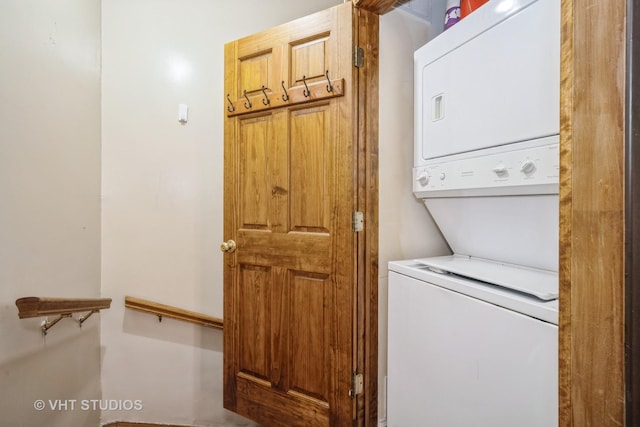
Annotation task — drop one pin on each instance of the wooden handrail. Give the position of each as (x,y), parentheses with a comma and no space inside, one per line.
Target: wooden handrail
(162,310)
(36,307)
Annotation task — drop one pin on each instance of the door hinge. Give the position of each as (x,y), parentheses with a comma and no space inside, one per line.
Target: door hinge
(358,56)
(357,221)
(357,385)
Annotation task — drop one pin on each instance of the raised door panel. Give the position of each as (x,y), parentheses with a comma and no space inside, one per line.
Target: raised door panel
(254,137)
(253,322)
(263,172)
(255,72)
(309,59)
(309,340)
(312,47)
(259,68)
(311,168)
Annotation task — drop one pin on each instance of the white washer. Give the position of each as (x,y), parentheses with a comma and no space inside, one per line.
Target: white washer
(464,353)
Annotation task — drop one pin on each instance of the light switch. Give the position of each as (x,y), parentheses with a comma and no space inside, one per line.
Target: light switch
(183,113)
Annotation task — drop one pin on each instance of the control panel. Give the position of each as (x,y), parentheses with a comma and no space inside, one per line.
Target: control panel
(510,170)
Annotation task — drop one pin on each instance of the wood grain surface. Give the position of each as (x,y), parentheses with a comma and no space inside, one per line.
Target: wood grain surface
(591,214)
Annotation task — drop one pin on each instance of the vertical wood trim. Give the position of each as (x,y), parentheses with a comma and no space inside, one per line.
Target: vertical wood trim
(345,322)
(367,32)
(591,214)
(230,215)
(566,160)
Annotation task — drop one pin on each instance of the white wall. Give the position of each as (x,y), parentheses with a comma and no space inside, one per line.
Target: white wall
(49,204)
(162,196)
(406,228)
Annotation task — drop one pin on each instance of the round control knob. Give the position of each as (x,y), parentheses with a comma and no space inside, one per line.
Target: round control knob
(423,178)
(500,169)
(442,176)
(528,166)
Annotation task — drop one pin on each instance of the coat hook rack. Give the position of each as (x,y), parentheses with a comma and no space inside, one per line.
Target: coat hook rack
(247,104)
(230,108)
(329,85)
(306,92)
(266,100)
(262,98)
(285,97)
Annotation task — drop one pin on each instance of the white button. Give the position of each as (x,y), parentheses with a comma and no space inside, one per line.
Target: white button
(442,176)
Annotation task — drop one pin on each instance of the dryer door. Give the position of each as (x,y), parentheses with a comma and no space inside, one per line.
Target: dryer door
(489,81)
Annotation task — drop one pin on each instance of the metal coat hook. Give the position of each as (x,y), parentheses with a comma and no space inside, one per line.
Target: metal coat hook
(245,104)
(285,97)
(230,108)
(305,92)
(266,100)
(329,86)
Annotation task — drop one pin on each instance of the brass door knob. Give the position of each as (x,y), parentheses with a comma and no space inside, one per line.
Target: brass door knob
(228,246)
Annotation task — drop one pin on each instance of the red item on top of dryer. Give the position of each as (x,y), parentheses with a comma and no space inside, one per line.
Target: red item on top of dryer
(468,6)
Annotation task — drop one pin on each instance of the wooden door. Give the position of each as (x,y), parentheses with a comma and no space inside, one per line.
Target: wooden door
(293,291)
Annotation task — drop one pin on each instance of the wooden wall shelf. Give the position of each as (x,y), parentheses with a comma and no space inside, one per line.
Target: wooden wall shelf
(63,307)
(38,307)
(162,310)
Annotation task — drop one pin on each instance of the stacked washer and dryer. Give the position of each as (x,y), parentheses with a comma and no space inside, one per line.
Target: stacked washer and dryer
(473,337)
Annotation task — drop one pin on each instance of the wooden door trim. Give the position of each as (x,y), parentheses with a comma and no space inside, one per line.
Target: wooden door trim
(379,7)
(230,225)
(591,356)
(366,24)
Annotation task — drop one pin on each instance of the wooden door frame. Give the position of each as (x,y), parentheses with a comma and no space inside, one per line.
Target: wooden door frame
(591,352)
(366,34)
(592,207)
